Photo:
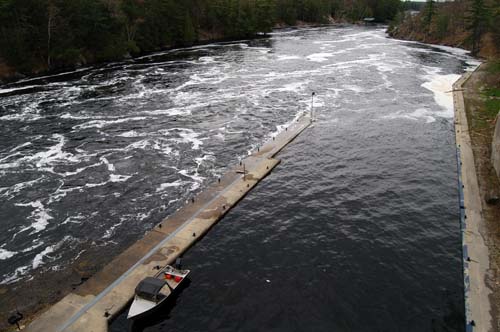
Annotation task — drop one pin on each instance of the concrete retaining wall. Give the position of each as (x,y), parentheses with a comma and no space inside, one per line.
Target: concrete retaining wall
(475,252)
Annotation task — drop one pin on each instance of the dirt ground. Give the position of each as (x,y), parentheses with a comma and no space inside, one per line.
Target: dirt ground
(481,119)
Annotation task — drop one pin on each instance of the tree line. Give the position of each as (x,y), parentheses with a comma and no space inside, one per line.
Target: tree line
(471,24)
(42,35)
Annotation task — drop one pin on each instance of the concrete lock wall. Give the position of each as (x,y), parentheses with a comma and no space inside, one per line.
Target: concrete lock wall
(495,147)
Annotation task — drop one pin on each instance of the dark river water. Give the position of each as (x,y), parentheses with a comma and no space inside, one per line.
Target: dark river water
(356,230)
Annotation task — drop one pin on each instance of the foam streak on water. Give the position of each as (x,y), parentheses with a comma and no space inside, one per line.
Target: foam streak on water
(90,160)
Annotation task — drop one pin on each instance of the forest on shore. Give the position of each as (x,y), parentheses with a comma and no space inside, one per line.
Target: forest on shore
(468,24)
(45,35)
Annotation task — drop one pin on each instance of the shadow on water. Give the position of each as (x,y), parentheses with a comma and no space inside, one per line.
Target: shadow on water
(160,314)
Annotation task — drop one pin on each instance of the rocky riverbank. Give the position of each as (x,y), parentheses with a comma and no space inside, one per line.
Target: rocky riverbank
(454,24)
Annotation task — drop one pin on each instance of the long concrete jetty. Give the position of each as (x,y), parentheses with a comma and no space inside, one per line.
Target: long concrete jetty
(94,304)
(475,252)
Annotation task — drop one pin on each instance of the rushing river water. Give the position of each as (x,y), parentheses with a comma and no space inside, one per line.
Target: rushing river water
(357,229)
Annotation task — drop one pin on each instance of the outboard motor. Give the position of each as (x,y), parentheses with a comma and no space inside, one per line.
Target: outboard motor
(178,264)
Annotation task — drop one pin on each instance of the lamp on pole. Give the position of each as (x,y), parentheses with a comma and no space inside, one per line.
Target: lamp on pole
(312,105)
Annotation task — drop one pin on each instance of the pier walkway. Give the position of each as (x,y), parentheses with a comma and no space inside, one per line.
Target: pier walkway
(91,306)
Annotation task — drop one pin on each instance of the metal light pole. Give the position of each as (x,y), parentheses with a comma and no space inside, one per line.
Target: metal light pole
(312,105)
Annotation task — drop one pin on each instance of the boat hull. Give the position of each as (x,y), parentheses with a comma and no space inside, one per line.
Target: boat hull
(151,292)
(141,307)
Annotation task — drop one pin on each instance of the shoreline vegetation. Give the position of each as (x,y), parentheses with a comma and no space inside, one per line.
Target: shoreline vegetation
(53,36)
(8,75)
(468,24)
(40,37)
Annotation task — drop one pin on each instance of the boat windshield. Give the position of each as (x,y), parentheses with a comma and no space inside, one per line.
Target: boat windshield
(149,288)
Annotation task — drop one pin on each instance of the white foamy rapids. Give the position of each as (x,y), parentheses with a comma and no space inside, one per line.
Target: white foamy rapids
(110,166)
(38,260)
(77,117)
(112,178)
(287,57)
(200,160)
(354,88)
(103,123)
(188,136)
(140,145)
(110,231)
(4,165)
(187,98)
(220,136)
(40,257)
(40,215)
(79,170)
(6,254)
(348,38)
(161,145)
(185,105)
(119,178)
(53,155)
(171,111)
(20,147)
(37,243)
(317,104)
(213,76)
(319,57)
(206,59)
(16,275)
(441,86)
(143,215)
(195,177)
(177,183)
(131,133)
(77,219)
(29,112)
(418,114)
(294,87)
(15,189)
(262,50)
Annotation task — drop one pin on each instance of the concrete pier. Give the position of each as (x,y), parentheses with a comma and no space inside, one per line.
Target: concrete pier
(475,252)
(92,305)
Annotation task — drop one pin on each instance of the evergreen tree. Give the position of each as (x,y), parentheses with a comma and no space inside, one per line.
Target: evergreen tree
(133,14)
(429,11)
(495,18)
(477,19)
(37,35)
(264,15)
(189,34)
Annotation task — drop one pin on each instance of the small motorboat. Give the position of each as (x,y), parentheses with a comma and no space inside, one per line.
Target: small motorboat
(153,291)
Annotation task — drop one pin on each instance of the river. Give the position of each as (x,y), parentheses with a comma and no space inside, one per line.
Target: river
(357,229)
